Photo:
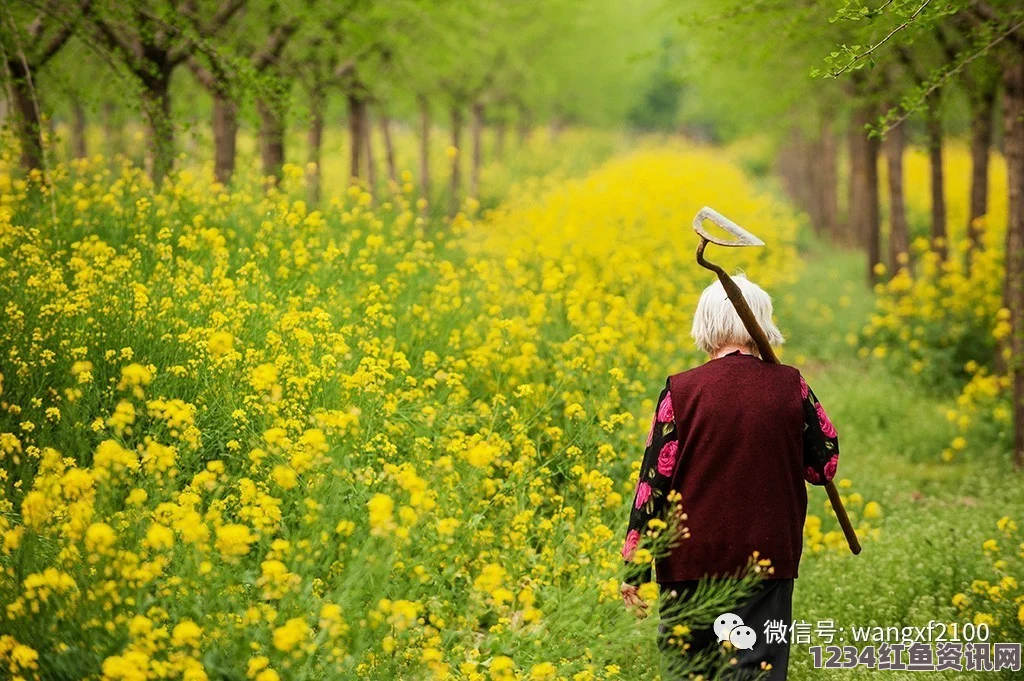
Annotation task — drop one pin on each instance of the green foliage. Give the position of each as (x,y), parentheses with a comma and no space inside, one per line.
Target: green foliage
(936,514)
(660,107)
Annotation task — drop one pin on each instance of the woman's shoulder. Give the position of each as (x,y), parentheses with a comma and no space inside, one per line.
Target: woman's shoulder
(746,364)
(692,372)
(789,368)
(784,372)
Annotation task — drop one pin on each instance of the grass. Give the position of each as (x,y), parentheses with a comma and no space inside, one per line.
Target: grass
(891,431)
(337,443)
(537,480)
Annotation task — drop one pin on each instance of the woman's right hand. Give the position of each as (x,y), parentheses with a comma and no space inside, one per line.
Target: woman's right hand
(631,597)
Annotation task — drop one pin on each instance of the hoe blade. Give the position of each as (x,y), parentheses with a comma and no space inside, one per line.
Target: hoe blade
(743,237)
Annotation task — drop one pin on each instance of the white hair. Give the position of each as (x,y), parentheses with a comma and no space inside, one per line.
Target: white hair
(717,325)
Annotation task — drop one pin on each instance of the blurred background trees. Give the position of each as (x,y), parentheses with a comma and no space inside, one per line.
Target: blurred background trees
(829,96)
(272,66)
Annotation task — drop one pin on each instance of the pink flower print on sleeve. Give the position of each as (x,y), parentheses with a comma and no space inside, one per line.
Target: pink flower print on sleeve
(811,475)
(804,390)
(632,540)
(667,457)
(831,466)
(643,493)
(650,433)
(665,410)
(826,425)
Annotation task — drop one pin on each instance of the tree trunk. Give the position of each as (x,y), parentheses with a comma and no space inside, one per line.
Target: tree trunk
(30,131)
(225,135)
(872,225)
(829,180)
(556,126)
(801,159)
(981,142)
(525,125)
(1013,291)
(113,131)
(355,134)
(456,176)
(856,185)
(371,162)
(938,193)
(476,132)
(316,140)
(805,176)
(899,235)
(424,146)
(78,145)
(791,167)
(499,140)
(783,166)
(156,98)
(271,138)
(389,147)
(816,191)
(864,213)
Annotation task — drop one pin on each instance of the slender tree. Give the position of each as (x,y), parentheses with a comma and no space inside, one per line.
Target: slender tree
(938,192)
(476,136)
(455,178)
(273,103)
(1011,61)
(1013,120)
(933,125)
(151,40)
(389,145)
(220,79)
(225,117)
(320,72)
(113,129)
(863,212)
(423,105)
(339,41)
(26,50)
(79,148)
(825,171)
(356,96)
(983,92)
(981,84)
(899,234)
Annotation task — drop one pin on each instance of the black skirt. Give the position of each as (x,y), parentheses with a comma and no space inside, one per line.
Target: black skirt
(772,599)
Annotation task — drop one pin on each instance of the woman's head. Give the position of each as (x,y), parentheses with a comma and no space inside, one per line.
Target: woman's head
(716,324)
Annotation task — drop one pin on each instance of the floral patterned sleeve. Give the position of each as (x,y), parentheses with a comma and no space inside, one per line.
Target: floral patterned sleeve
(821,443)
(653,484)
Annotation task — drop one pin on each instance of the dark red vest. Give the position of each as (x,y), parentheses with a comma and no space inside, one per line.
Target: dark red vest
(740,468)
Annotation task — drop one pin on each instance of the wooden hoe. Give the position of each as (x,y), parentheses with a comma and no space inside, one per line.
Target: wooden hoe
(745,238)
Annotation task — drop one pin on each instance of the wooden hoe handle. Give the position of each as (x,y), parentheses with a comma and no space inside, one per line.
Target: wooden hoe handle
(768,355)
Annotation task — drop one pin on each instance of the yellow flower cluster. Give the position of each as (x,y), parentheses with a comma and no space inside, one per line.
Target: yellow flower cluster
(939,314)
(998,599)
(822,532)
(348,442)
(956,167)
(944,320)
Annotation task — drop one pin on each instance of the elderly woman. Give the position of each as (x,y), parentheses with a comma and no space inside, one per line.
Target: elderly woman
(736,437)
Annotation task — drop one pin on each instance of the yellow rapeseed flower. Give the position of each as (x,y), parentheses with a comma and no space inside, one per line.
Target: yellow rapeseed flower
(233,540)
(290,634)
(186,634)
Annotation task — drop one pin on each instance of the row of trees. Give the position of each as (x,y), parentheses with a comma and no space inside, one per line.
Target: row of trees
(879,128)
(880,72)
(297,62)
(886,71)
